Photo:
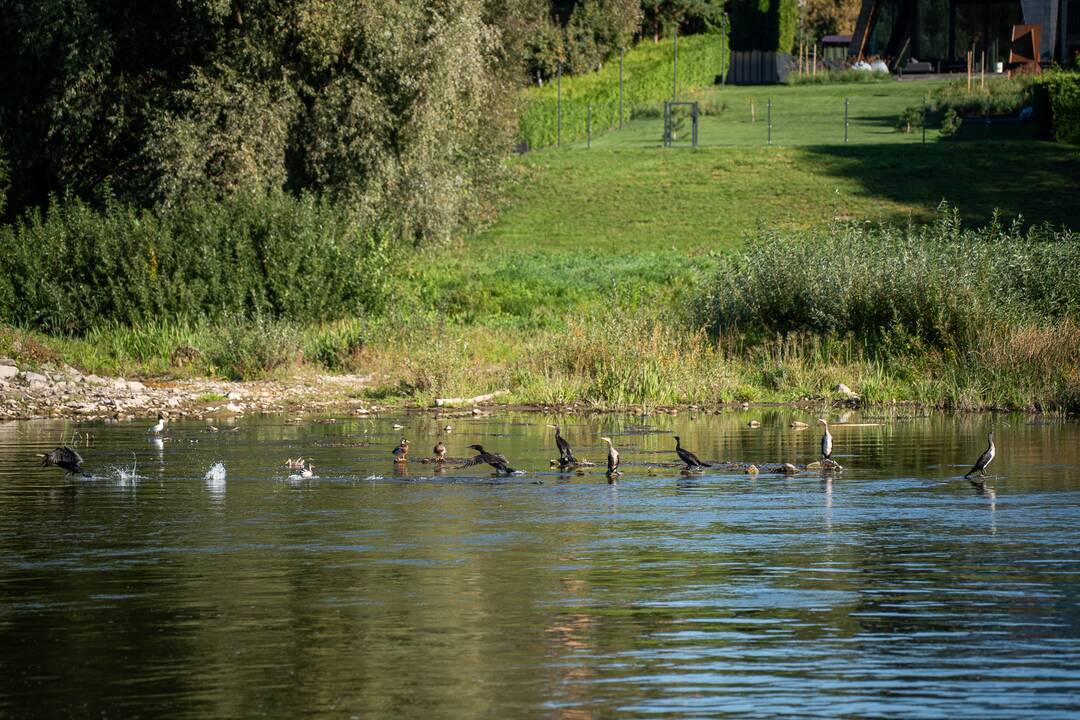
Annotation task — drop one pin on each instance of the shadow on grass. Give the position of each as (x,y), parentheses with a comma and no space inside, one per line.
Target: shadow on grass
(1034,179)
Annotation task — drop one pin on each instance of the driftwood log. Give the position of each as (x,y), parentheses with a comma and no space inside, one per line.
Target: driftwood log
(445,402)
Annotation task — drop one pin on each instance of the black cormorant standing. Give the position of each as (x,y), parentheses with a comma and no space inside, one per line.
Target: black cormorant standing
(688,457)
(401,452)
(440,452)
(826,441)
(64,457)
(984,460)
(495,460)
(566,455)
(612,457)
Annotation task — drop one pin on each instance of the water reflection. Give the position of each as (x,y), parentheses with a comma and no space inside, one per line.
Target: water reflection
(892,588)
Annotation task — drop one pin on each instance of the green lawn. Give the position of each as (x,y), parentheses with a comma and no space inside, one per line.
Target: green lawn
(801,115)
(628,201)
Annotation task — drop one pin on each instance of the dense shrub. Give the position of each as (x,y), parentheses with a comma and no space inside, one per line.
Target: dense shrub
(940,285)
(1057,105)
(763,24)
(243,348)
(647,79)
(72,267)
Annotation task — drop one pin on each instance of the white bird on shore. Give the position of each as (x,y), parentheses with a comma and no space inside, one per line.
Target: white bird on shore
(159,426)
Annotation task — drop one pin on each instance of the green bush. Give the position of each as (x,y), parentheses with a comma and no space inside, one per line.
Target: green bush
(763,24)
(1002,96)
(940,285)
(244,348)
(647,80)
(950,124)
(1057,106)
(72,267)
(910,120)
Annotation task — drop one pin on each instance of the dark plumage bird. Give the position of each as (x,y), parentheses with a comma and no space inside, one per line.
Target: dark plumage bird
(64,457)
(440,452)
(826,441)
(612,457)
(401,452)
(688,457)
(985,459)
(495,460)
(566,455)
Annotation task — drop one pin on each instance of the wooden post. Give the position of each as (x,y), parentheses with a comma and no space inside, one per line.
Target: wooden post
(969,71)
(982,72)
(813,63)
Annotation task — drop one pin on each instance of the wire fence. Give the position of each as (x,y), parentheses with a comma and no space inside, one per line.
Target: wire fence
(752,116)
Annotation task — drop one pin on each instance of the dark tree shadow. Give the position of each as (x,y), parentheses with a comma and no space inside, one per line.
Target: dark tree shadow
(1037,180)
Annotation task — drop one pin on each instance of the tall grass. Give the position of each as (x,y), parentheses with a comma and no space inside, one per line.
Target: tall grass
(941,285)
(842,75)
(647,79)
(73,267)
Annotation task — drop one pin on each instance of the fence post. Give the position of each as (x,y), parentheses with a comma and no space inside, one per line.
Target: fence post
(588,126)
(675,67)
(845,120)
(924,122)
(769,123)
(558,107)
(620,87)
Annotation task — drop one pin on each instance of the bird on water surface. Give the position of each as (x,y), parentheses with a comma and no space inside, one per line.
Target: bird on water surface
(688,457)
(440,452)
(495,460)
(984,460)
(612,457)
(566,455)
(401,452)
(64,457)
(826,441)
(159,426)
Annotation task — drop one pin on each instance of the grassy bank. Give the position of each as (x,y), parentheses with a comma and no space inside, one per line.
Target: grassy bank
(589,287)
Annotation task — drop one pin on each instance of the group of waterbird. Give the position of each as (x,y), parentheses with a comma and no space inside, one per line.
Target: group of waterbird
(67,458)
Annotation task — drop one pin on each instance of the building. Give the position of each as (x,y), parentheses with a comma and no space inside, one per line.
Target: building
(942,32)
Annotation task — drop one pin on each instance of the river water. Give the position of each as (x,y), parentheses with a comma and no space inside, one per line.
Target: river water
(891,589)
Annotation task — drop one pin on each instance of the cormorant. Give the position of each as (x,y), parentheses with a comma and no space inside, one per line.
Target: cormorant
(688,457)
(826,441)
(440,452)
(401,452)
(566,455)
(159,426)
(612,457)
(64,457)
(495,460)
(985,459)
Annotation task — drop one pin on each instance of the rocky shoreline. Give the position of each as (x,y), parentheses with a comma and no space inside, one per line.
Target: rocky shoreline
(64,392)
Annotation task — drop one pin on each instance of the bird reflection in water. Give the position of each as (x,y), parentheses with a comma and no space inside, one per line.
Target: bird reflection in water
(571,635)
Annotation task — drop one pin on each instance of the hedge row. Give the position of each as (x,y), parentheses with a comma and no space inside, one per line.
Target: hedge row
(1057,106)
(647,79)
(73,266)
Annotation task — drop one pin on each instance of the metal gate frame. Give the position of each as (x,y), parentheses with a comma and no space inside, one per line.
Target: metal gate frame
(668,105)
